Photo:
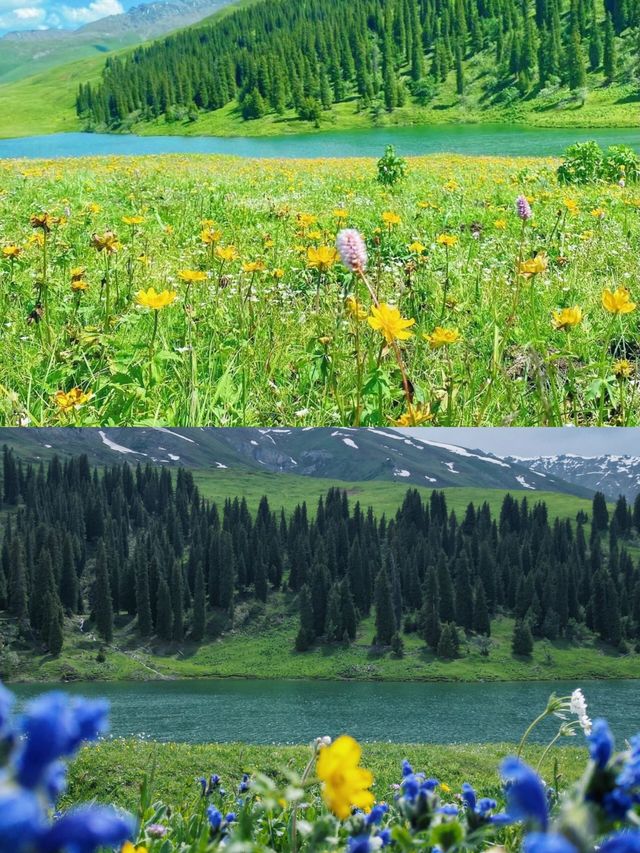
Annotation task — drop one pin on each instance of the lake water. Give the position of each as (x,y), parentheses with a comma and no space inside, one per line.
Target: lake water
(298,711)
(492,140)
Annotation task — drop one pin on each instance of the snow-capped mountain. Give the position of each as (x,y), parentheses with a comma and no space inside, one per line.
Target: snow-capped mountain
(611,475)
(345,454)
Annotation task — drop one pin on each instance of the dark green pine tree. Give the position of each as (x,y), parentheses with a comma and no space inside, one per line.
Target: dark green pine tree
(199,618)
(143,597)
(227,572)
(576,68)
(481,621)
(446,593)
(522,641)
(464,595)
(55,636)
(44,597)
(69,587)
(459,70)
(102,601)
(334,629)
(599,513)
(306,635)
(261,582)
(177,601)
(164,622)
(385,620)
(595,44)
(447,645)
(348,611)
(10,477)
(609,58)
(17,593)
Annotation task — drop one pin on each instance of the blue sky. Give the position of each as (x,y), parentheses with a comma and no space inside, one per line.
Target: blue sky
(68,14)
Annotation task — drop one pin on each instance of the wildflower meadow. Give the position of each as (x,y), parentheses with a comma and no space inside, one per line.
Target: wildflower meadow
(221,291)
(330,805)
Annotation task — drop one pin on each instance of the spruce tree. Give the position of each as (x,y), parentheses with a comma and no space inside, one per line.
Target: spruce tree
(199,606)
(481,621)
(143,597)
(385,620)
(447,643)
(164,623)
(55,637)
(69,587)
(102,602)
(306,634)
(177,602)
(522,641)
(609,58)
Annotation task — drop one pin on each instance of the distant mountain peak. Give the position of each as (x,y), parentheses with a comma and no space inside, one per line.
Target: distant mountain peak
(613,475)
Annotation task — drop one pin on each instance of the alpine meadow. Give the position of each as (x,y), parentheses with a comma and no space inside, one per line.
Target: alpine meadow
(319,426)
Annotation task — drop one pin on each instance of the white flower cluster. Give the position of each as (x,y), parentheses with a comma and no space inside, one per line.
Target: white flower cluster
(578,706)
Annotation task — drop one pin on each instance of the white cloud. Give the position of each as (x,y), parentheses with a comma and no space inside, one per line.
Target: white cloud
(29,13)
(93,12)
(11,5)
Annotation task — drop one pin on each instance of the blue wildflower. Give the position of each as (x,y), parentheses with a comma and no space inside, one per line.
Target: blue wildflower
(600,743)
(359,844)
(21,820)
(203,785)
(627,841)
(547,842)
(525,793)
(617,804)
(86,829)
(385,836)
(231,817)
(55,781)
(6,705)
(630,775)
(244,784)
(448,809)
(214,781)
(407,769)
(376,814)
(215,817)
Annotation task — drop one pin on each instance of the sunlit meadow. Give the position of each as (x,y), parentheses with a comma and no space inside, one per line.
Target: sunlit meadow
(209,290)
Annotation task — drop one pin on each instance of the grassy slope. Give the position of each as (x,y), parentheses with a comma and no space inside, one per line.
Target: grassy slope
(44,103)
(112,771)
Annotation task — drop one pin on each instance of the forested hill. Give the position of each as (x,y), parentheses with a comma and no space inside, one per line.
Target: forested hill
(142,548)
(282,55)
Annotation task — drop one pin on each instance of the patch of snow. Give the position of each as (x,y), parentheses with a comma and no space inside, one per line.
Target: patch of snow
(462,451)
(451,467)
(117,447)
(350,443)
(400,472)
(48,446)
(220,465)
(430,479)
(175,434)
(524,483)
(255,443)
(173,457)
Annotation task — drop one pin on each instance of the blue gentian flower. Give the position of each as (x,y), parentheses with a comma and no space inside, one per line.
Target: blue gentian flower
(86,829)
(203,785)
(525,793)
(600,743)
(53,728)
(214,781)
(6,705)
(407,769)
(215,817)
(617,804)
(244,784)
(547,842)
(627,841)
(359,844)
(469,796)
(230,817)
(385,836)
(55,781)
(630,776)
(376,814)
(21,820)
(448,809)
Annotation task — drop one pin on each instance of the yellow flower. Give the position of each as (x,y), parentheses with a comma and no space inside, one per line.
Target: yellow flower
(388,320)
(151,299)
(567,317)
(128,847)
(43,221)
(340,213)
(446,240)
(623,368)
(598,213)
(191,276)
(133,220)
(618,301)
(253,266)
(74,399)
(209,236)
(534,266)
(500,224)
(77,273)
(11,251)
(306,219)
(441,337)
(571,205)
(278,272)
(417,416)
(92,207)
(78,285)
(322,258)
(355,308)
(417,248)
(389,218)
(107,242)
(451,186)
(445,788)
(226,253)
(344,784)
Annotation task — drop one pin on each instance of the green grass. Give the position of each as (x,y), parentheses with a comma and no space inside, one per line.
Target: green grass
(113,771)
(261,645)
(245,348)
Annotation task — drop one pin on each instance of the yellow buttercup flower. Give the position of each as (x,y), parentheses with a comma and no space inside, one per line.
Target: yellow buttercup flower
(500,224)
(69,400)
(253,266)
(567,318)
(43,221)
(78,285)
(209,236)
(445,788)
(128,847)
(617,301)
(77,273)
(226,253)
(305,220)
(152,299)
(534,266)
(107,242)
(322,258)
(278,272)
(448,240)
(417,416)
(388,320)
(341,213)
(344,784)
(417,248)
(191,276)
(133,220)
(390,218)
(12,252)
(598,213)
(623,369)
(441,337)
(571,205)
(355,308)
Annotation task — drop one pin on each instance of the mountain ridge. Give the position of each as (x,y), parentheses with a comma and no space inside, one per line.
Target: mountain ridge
(611,474)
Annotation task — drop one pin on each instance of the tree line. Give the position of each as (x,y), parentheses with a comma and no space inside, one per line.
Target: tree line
(124,543)
(285,55)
